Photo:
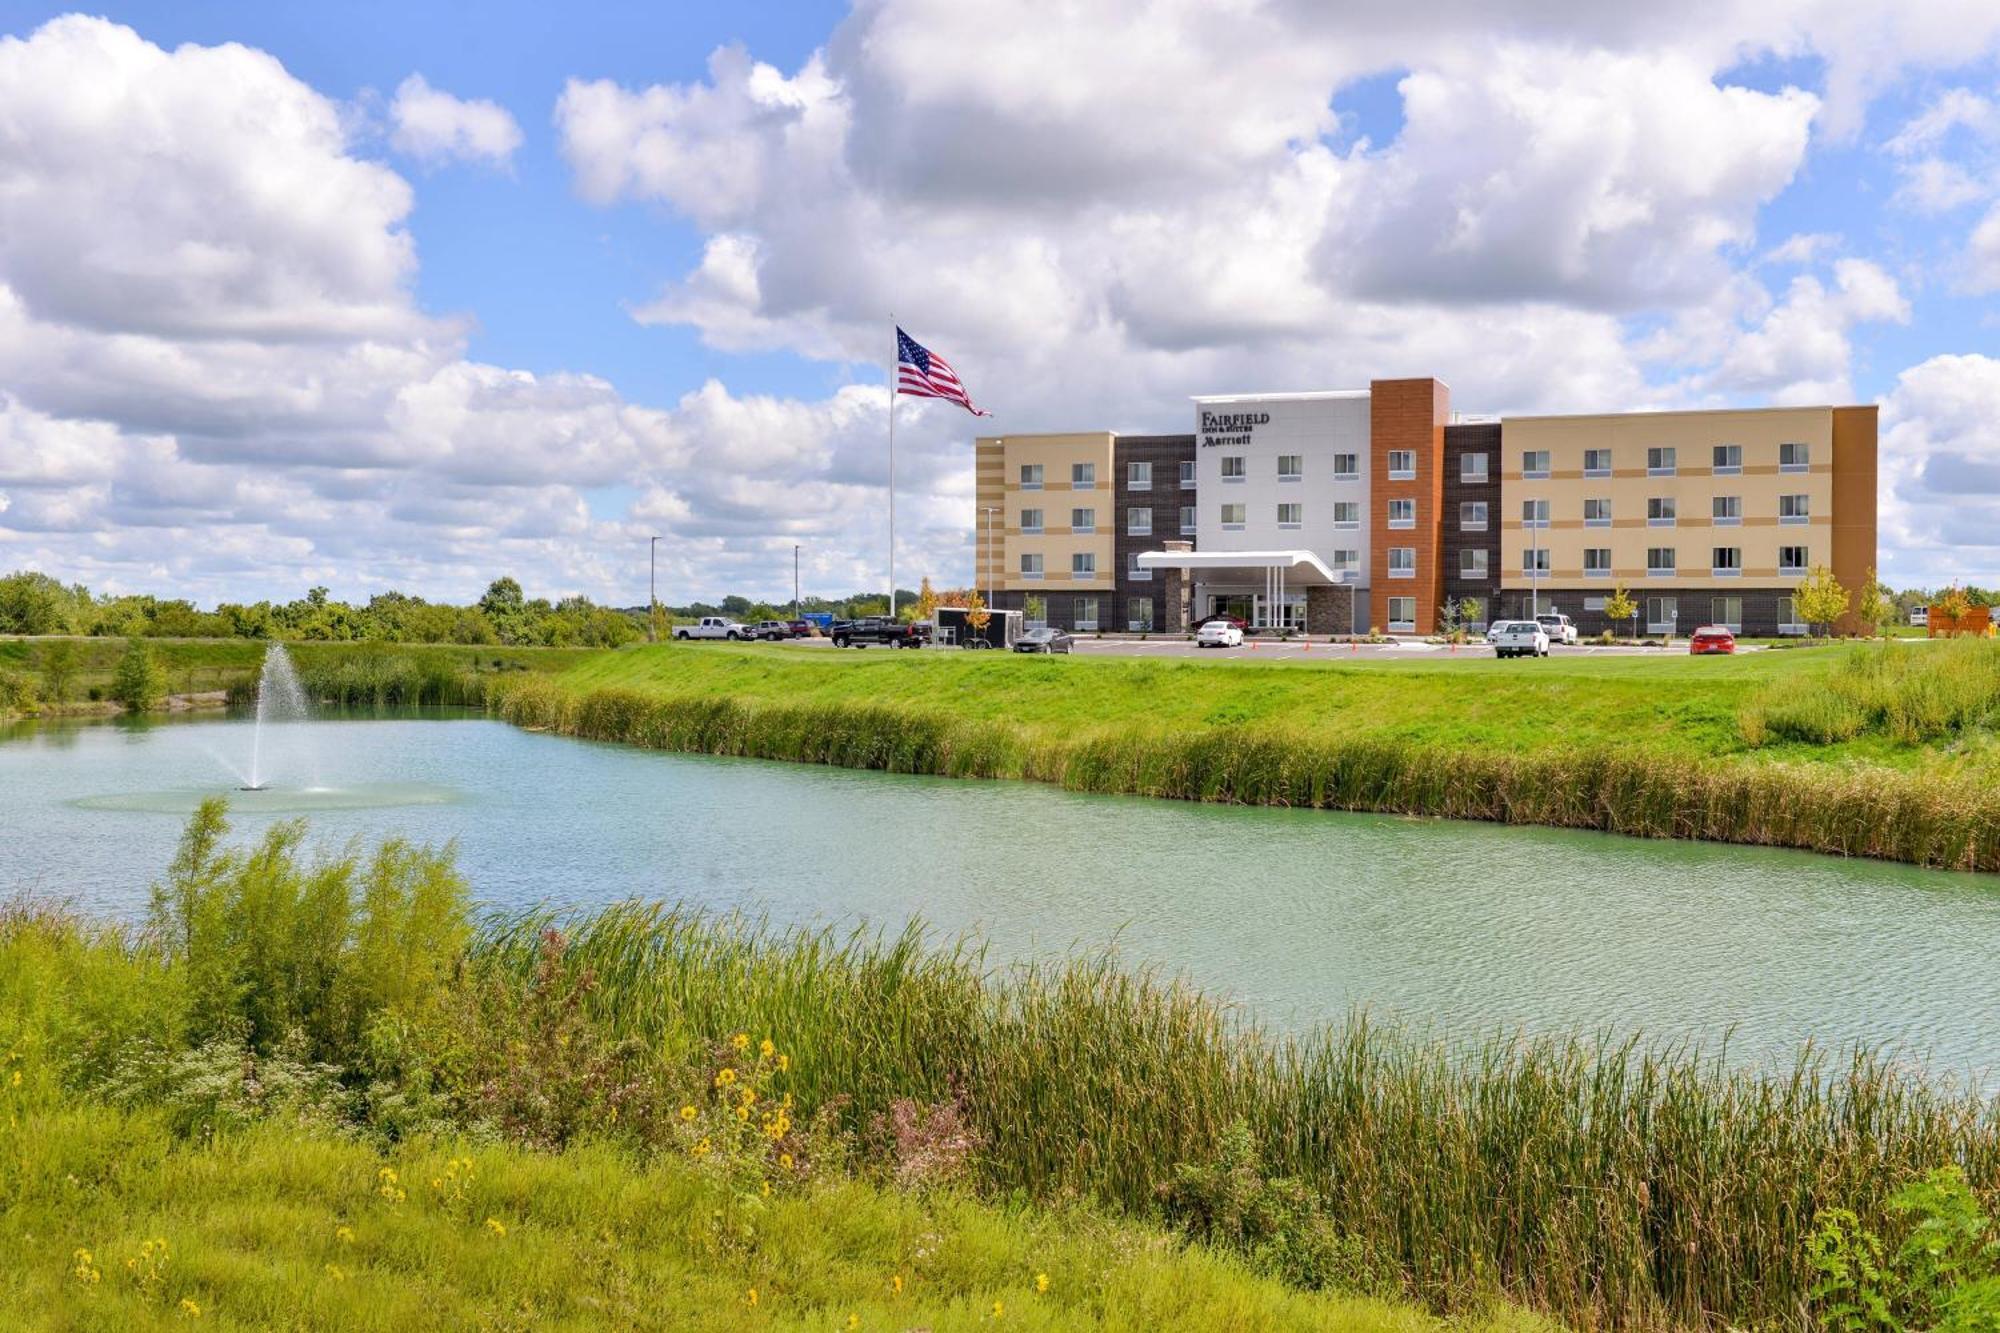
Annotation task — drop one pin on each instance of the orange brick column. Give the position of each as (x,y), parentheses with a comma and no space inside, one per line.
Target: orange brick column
(1407,414)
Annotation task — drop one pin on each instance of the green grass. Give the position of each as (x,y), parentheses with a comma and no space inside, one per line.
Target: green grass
(1653,747)
(592,1240)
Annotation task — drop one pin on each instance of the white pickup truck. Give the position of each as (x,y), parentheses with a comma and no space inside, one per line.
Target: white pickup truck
(713,627)
(1559,627)
(1519,638)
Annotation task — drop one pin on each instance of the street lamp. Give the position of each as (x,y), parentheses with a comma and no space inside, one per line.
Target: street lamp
(652,590)
(795,582)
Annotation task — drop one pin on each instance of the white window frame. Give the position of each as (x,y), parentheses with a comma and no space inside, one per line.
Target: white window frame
(1472,515)
(1805,562)
(1472,566)
(1535,562)
(1602,519)
(1352,507)
(1671,570)
(1347,562)
(1034,528)
(1406,624)
(1602,572)
(1083,521)
(1402,562)
(1136,572)
(1601,471)
(1719,568)
(1662,511)
(1083,476)
(1138,476)
(1190,519)
(1352,472)
(1402,464)
(1139,521)
(1801,457)
(1136,623)
(1668,624)
(1402,513)
(1298,472)
(1468,472)
(1801,507)
(1534,465)
(1083,564)
(1240,462)
(1234,524)
(1728,460)
(1731,519)
(1078,621)
(1788,622)
(1031,476)
(1534,513)
(1663,460)
(1187,474)
(1298,518)
(1031,565)
(1734,624)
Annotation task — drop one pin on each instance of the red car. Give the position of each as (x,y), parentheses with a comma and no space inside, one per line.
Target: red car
(1711,639)
(1237,621)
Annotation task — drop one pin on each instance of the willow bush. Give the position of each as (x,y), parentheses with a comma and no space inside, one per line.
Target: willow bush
(1923,820)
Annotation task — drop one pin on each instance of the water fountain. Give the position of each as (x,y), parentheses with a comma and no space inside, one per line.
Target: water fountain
(280,699)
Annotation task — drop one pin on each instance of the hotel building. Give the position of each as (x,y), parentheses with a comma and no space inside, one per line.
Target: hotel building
(1342,511)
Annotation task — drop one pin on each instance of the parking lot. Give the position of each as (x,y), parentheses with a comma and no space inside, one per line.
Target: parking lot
(1411,650)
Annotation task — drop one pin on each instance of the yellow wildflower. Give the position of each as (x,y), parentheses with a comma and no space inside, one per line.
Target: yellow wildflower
(689,1113)
(190,1309)
(496,1226)
(742,1113)
(345,1235)
(785,1160)
(767,1048)
(1041,1282)
(701,1148)
(998,1309)
(740,1041)
(86,1267)
(854,1321)
(750,1297)
(336,1272)
(767,1189)
(725,1077)
(784,1063)
(896,1284)
(15,1079)
(749,1096)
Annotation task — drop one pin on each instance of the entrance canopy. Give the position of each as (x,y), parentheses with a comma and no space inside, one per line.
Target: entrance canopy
(1300,567)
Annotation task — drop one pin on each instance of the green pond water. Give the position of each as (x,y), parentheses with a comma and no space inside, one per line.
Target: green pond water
(1459,929)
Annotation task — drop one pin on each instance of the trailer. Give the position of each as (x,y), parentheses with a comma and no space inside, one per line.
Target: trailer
(952,626)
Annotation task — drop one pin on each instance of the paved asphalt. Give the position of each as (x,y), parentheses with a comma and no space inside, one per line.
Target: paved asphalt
(1413,650)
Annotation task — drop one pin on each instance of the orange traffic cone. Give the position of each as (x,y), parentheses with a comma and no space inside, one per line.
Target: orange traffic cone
(1353,647)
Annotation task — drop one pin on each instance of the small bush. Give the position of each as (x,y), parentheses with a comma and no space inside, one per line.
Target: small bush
(136,683)
(17,693)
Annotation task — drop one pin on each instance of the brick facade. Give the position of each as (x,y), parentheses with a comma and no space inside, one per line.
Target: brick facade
(1459,441)
(1162,589)
(1406,415)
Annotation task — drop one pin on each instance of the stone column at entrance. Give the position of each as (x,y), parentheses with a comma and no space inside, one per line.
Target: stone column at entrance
(1174,594)
(1320,611)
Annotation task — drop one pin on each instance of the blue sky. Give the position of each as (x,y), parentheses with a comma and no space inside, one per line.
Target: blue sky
(618,270)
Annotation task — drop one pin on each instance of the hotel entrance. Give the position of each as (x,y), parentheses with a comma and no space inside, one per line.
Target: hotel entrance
(1286,611)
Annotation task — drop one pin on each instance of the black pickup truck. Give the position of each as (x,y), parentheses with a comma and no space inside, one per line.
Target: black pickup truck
(877,629)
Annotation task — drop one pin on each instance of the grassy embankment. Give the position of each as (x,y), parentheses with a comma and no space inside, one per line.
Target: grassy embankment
(238,1079)
(1734,750)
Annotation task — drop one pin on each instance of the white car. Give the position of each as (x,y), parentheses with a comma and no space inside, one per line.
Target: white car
(1559,628)
(1218,634)
(714,627)
(1519,638)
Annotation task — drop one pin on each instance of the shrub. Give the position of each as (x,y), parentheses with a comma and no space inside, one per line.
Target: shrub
(1943,1274)
(17,693)
(136,681)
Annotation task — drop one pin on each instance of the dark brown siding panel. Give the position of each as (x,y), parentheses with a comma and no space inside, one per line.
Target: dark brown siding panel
(1165,453)
(1478,438)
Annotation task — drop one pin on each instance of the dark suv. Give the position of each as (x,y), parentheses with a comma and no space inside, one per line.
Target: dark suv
(877,629)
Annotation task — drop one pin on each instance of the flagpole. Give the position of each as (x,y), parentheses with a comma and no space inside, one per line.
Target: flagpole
(894,361)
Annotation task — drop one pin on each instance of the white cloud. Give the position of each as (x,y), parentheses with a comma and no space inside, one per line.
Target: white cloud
(1983,253)
(1940,473)
(432,126)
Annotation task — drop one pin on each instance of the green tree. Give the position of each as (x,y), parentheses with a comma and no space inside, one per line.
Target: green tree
(1878,605)
(136,682)
(32,603)
(1820,600)
(58,668)
(1620,606)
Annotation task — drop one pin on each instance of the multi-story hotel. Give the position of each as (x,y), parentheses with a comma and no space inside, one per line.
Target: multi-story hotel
(1339,512)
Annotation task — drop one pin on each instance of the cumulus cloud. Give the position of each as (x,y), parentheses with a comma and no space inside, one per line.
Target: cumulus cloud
(432,126)
(1940,476)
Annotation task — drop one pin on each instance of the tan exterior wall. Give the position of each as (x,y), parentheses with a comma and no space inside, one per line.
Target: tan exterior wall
(1001,543)
(1854,430)
(1693,487)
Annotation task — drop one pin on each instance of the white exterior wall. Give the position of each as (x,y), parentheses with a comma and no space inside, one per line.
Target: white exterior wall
(1314,426)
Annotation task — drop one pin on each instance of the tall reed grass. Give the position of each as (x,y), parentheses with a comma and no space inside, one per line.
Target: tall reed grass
(1918,819)
(1608,1183)
(375,677)
(1912,693)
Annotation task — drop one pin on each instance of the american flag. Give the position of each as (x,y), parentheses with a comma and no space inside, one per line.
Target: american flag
(922,373)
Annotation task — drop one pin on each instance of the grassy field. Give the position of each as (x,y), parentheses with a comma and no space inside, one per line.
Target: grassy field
(1877,750)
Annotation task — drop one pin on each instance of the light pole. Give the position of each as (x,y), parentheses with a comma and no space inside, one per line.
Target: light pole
(992,571)
(652,590)
(795,581)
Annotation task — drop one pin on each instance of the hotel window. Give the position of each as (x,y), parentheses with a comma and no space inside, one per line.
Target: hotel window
(1187,474)
(1136,572)
(1535,464)
(1728,511)
(1291,516)
(1031,476)
(1083,520)
(1347,513)
(1726,562)
(1347,562)
(1726,612)
(1660,511)
(1083,476)
(1232,517)
(1534,513)
(1728,459)
(1788,617)
(1472,563)
(1031,566)
(1792,559)
(1291,467)
(1234,468)
(1472,516)
(1535,562)
(1031,521)
(1794,509)
(1596,462)
(1662,614)
(1660,462)
(1138,476)
(1472,467)
(1402,562)
(1660,562)
(1597,513)
(1139,521)
(1035,611)
(1346,467)
(1402,513)
(1794,457)
(1083,565)
(1187,520)
(1139,615)
(1597,562)
(1403,614)
(1402,464)
(1084,613)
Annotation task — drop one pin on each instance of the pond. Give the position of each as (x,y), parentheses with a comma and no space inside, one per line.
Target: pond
(1298,915)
